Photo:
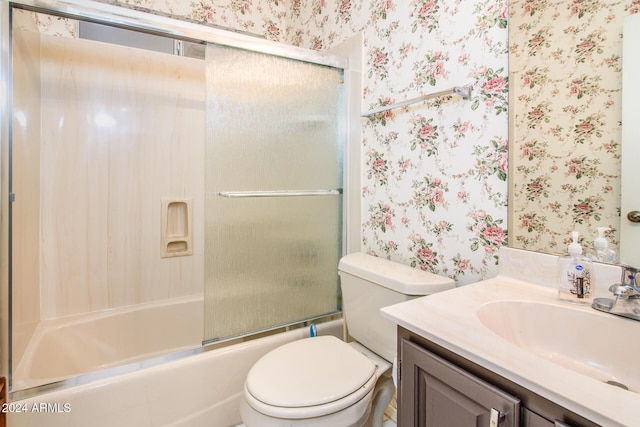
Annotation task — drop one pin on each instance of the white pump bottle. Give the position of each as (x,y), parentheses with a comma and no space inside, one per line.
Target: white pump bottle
(602,251)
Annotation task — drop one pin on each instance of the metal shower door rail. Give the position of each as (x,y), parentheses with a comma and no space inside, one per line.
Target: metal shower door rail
(162,24)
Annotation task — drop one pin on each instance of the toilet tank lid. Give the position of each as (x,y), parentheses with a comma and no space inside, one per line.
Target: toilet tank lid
(398,277)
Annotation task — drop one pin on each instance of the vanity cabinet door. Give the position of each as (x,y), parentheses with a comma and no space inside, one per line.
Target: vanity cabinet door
(435,393)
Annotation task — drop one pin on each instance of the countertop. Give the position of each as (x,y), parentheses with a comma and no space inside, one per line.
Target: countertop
(449,319)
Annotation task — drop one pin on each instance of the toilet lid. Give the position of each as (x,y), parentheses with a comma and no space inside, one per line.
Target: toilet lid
(309,372)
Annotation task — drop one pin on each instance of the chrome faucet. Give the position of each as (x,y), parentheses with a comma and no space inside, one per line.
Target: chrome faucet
(626,293)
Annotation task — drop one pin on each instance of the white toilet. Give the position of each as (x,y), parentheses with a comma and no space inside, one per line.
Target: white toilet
(324,381)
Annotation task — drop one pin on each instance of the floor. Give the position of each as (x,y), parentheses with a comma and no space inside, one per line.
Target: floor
(387,423)
(389,415)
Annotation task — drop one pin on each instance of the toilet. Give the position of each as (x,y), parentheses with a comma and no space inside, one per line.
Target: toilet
(324,381)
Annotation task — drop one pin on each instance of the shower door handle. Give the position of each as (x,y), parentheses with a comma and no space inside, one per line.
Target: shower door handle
(279,193)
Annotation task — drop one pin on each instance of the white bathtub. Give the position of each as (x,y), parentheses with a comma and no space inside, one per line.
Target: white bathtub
(74,345)
(195,391)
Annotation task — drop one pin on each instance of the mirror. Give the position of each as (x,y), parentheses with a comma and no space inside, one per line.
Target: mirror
(565,123)
(629,228)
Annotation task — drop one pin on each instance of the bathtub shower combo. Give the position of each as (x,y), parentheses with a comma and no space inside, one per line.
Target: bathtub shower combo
(74,345)
(171,186)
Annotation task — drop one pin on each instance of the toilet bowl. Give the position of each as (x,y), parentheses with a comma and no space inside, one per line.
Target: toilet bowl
(325,381)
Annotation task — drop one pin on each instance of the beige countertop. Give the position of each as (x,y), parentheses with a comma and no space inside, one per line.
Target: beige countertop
(451,320)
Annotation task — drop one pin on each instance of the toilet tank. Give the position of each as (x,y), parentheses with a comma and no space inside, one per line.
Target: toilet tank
(369,283)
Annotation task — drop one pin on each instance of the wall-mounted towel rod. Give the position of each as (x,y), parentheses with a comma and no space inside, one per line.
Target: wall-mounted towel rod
(463,91)
(279,193)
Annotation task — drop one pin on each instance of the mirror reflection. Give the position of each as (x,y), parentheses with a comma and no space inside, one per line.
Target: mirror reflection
(565,75)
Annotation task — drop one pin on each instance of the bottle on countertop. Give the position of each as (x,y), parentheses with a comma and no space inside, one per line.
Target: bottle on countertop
(575,274)
(602,252)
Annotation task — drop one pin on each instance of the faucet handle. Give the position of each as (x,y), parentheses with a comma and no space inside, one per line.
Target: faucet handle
(622,290)
(629,276)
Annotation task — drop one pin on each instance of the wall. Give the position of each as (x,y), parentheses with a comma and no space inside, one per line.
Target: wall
(566,73)
(434,175)
(109,156)
(565,64)
(26,156)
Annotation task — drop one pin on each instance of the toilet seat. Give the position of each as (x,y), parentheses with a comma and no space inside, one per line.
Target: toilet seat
(309,378)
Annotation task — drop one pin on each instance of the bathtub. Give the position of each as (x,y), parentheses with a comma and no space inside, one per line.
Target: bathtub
(200,390)
(75,345)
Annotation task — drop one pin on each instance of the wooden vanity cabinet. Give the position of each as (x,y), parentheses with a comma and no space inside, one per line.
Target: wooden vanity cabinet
(438,388)
(445,395)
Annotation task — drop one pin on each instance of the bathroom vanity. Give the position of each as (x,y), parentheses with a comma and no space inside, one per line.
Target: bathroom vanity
(457,392)
(506,352)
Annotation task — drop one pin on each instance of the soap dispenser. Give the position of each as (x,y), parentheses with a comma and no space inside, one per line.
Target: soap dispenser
(574,274)
(602,251)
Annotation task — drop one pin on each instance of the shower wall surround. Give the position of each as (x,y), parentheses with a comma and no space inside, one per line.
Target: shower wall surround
(26,236)
(100,195)
(434,189)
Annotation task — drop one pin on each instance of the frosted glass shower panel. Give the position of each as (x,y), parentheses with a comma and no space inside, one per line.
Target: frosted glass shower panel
(273,142)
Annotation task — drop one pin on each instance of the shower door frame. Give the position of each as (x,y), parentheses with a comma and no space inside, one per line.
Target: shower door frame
(155,23)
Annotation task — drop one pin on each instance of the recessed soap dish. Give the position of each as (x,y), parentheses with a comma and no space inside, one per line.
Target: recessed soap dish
(176,233)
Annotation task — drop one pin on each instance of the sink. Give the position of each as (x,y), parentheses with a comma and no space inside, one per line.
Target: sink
(601,346)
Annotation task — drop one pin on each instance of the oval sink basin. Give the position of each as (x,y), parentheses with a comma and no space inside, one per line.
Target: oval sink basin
(601,346)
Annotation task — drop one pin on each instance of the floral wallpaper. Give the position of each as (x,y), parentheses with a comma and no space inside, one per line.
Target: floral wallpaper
(434,184)
(565,72)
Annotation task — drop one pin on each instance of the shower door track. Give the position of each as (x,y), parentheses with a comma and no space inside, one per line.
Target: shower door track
(279,193)
(154,22)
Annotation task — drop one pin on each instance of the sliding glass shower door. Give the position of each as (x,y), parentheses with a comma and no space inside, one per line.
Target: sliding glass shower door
(273,191)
